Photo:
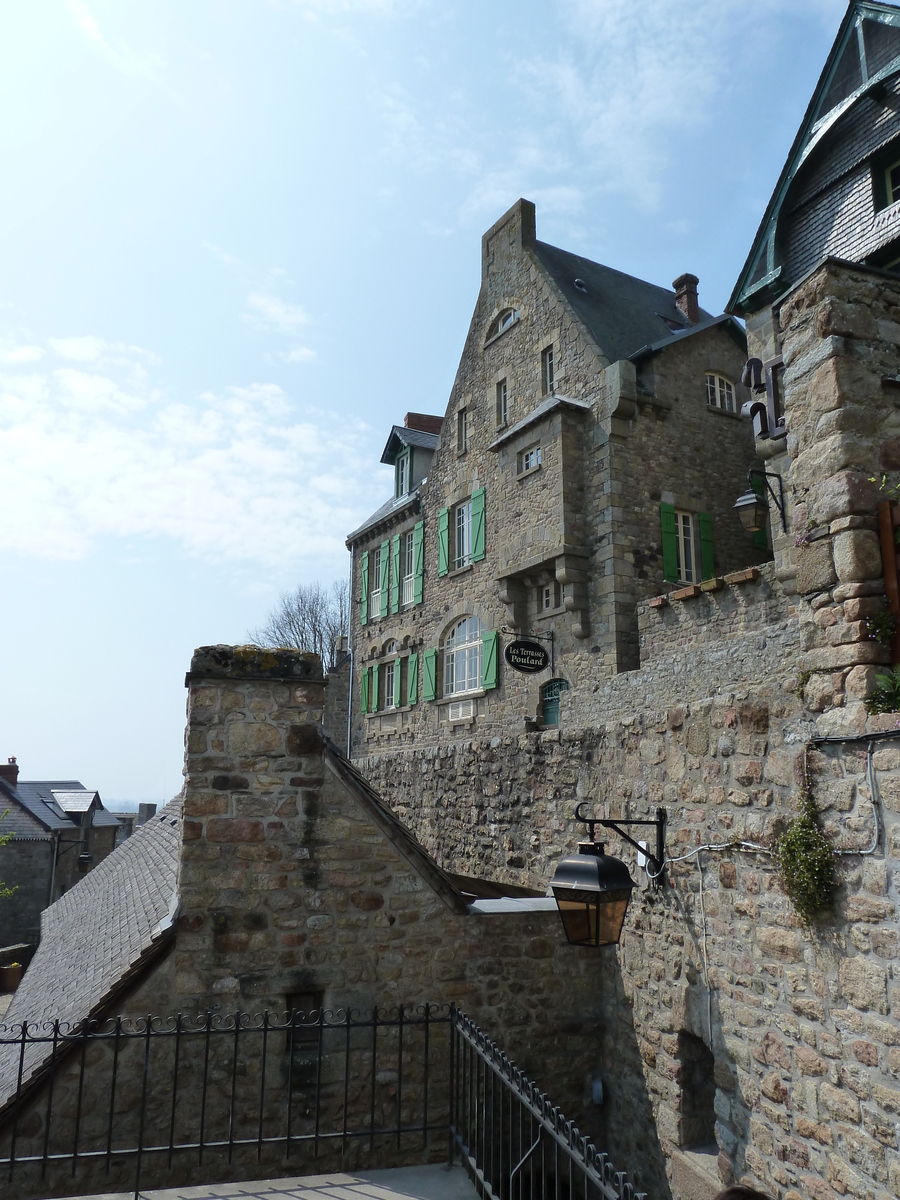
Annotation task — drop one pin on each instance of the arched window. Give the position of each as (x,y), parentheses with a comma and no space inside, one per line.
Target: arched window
(550,693)
(462,656)
(501,323)
(720,393)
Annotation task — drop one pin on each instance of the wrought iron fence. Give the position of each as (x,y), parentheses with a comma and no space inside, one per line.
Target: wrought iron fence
(516,1143)
(165,1102)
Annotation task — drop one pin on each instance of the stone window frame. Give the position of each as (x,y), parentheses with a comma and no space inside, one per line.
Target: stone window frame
(501,403)
(504,319)
(540,592)
(521,469)
(549,369)
(463,430)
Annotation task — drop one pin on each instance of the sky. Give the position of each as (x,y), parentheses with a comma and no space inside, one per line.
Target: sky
(242,239)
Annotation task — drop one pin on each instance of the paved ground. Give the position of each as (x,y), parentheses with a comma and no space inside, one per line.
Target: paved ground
(401,1183)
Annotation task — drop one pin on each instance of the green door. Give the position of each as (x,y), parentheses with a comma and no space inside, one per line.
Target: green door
(550,701)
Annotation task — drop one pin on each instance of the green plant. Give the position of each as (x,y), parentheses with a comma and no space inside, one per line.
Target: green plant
(803,679)
(805,858)
(890,491)
(5,892)
(885,697)
(882,627)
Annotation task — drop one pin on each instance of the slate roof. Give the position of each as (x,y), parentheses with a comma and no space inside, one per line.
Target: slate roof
(396,504)
(548,405)
(77,801)
(49,814)
(623,313)
(727,323)
(407,437)
(96,935)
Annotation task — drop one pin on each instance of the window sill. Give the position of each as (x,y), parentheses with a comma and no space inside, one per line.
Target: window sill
(389,712)
(559,611)
(457,696)
(530,471)
(462,453)
(723,412)
(459,570)
(498,336)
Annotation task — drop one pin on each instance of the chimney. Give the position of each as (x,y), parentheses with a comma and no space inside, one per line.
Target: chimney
(686,297)
(10,772)
(423,422)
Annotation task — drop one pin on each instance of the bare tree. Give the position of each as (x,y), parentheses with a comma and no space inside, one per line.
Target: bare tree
(312,617)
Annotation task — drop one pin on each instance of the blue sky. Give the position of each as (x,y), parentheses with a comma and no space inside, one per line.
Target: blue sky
(242,238)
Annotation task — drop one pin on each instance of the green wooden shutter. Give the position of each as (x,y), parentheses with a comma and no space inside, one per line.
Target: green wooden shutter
(443,541)
(761,536)
(373,689)
(412,679)
(669,542)
(398,694)
(429,675)
(364,690)
(385,575)
(707,558)
(364,589)
(478,525)
(418,560)
(395,573)
(489,646)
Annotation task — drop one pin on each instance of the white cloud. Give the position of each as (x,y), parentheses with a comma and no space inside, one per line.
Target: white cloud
(239,474)
(269,312)
(80,349)
(299,354)
(119,56)
(12,355)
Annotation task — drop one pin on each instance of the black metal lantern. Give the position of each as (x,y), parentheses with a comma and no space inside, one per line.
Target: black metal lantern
(592,891)
(753,511)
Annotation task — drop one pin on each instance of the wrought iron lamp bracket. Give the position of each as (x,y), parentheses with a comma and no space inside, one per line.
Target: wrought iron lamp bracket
(656,860)
(758,473)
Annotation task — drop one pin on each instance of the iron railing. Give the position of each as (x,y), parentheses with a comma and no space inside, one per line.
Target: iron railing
(515,1142)
(160,1102)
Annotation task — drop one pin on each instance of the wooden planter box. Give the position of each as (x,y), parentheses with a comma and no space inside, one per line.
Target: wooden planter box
(10,978)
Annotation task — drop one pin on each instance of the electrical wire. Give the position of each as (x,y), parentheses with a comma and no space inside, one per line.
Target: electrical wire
(745,847)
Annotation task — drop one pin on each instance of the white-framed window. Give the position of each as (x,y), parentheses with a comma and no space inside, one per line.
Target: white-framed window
(388,676)
(685,543)
(462,431)
(462,657)
(375,590)
(508,317)
(892,182)
(502,403)
(403,473)
(460,710)
(530,459)
(720,393)
(548,596)
(407,564)
(462,535)
(548,371)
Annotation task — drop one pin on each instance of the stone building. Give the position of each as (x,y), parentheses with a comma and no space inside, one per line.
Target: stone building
(590,455)
(60,830)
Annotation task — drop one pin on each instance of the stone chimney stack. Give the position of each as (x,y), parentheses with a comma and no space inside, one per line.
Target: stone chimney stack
(10,771)
(252,777)
(686,297)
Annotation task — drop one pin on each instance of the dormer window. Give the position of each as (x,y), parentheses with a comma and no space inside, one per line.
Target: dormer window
(402,474)
(508,317)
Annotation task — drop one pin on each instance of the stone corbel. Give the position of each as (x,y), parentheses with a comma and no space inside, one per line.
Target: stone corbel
(621,387)
(514,595)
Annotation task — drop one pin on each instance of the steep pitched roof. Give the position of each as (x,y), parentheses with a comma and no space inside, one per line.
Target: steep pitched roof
(46,812)
(96,936)
(401,436)
(866,51)
(621,312)
(396,506)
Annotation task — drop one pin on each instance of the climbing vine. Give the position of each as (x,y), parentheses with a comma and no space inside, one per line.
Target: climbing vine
(805,858)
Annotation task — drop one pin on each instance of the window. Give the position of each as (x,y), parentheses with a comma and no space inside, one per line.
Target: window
(548,595)
(408,559)
(403,474)
(502,403)
(390,670)
(377,566)
(462,431)
(530,459)
(462,657)
(550,693)
(460,532)
(684,543)
(460,710)
(892,182)
(720,393)
(548,376)
(462,535)
(508,317)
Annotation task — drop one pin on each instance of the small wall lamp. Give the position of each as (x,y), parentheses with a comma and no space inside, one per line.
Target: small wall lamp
(592,889)
(753,508)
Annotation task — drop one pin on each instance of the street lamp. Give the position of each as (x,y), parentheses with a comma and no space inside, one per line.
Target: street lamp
(592,889)
(753,508)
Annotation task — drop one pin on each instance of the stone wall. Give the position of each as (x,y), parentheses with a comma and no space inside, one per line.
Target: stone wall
(25,866)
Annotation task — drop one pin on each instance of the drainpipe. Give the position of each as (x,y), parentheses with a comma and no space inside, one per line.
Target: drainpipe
(889,561)
(352,659)
(53,867)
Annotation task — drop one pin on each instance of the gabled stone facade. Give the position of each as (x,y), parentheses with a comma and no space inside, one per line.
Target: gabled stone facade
(579,430)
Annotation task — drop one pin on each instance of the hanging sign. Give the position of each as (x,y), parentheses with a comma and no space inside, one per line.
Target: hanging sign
(527,657)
